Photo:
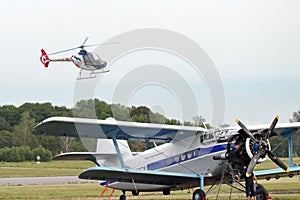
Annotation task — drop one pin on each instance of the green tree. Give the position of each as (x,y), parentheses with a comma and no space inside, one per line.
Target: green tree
(6,139)
(85,109)
(141,110)
(120,112)
(4,125)
(173,122)
(157,118)
(11,114)
(141,118)
(62,111)
(22,133)
(52,143)
(137,146)
(188,123)
(45,155)
(103,110)
(279,146)
(38,111)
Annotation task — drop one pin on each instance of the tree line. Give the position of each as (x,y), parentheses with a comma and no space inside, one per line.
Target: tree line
(19,144)
(16,125)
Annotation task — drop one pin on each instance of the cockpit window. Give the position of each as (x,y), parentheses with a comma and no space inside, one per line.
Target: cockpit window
(92,59)
(208,137)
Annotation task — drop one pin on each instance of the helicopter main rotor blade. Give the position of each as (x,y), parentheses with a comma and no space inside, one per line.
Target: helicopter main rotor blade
(245,129)
(277,161)
(82,46)
(63,51)
(107,43)
(86,39)
(272,126)
(253,163)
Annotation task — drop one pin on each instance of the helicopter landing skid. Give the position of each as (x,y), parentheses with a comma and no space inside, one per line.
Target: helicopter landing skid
(92,74)
(89,77)
(100,72)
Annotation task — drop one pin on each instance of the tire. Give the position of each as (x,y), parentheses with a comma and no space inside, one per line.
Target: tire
(166,192)
(135,193)
(122,197)
(198,194)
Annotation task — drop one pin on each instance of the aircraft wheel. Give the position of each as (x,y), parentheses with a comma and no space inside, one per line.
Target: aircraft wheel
(122,197)
(166,192)
(135,193)
(198,194)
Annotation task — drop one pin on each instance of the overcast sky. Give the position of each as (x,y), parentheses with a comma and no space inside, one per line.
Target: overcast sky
(255,47)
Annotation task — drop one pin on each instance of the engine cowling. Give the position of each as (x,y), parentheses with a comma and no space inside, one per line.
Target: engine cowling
(253,147)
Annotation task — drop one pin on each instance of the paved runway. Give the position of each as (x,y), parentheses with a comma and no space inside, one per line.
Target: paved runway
(40,180)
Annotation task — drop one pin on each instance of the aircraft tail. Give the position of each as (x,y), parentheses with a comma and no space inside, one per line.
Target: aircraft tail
(45,58)
(105,153)
(106,146)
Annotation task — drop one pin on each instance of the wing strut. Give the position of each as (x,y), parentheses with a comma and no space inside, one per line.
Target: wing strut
(119,152)
(289,135)
(120,157)
(201,181)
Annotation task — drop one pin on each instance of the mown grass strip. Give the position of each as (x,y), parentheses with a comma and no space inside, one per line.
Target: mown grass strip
(283,189)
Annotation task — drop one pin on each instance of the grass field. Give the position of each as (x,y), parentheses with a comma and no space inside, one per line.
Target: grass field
(284,188)
(31,169)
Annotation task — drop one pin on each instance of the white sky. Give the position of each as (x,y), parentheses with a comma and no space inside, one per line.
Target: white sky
(255,46)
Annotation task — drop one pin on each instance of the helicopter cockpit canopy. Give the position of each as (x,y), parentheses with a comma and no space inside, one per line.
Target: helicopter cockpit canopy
(93,60)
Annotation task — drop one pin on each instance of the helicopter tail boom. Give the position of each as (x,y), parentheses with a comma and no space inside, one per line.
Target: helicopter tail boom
(46,60)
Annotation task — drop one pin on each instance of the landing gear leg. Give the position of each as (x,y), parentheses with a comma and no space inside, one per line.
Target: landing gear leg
(198,194)
(123,196)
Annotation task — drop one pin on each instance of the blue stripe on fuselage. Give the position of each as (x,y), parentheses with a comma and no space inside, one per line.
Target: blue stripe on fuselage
(186,156)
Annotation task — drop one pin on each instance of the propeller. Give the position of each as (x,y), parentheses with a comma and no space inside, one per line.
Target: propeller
(82,46)
(261,147)
(245,129)
(271,129)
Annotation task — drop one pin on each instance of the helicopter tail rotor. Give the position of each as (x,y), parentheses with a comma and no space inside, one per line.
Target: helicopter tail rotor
(45,58)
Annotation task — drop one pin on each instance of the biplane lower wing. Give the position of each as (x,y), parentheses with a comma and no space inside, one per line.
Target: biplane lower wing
(123,175)
(277,173)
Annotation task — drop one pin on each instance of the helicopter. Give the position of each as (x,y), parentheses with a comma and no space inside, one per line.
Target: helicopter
(84,60)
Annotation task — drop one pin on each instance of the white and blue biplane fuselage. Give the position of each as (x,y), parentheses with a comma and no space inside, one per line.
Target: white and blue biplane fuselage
(185,160)
(192,155)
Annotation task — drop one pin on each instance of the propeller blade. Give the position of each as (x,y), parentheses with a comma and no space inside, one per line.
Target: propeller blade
(272,127)
(245,129)
(63,51)
(278,162)
(253,163)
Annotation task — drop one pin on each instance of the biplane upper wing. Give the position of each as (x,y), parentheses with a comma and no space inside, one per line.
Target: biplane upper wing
(93,128)
(283,129)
